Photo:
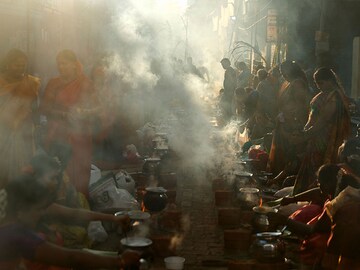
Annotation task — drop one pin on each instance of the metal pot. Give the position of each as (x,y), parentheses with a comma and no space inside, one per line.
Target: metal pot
(268,247)
(155,199)
(260,223)
(260,220)
(248,198)
(151,166)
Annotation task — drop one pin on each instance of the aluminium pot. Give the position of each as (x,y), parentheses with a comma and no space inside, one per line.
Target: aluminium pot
(151,166)
(267,247)
(247,198)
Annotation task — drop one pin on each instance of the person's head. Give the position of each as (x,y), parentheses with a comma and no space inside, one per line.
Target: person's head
(26,200)
(257,67)
(225,63)
(275,71)
(351,154)
(68,64)
(239,94)
(325,79)
(333,180)
(328,179)
(14,63)
(290,70)
(262,74)
(241,65)
(47,171)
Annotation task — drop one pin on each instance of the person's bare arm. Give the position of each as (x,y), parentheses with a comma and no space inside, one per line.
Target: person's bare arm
(326,114)
(83,215)
(55,255)
(313,195)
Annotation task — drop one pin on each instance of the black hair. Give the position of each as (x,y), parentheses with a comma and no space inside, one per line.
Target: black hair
(262,74)
(24,192)
(225,60)
(352,148)
(41,164)
(292,70)
(241,65)
(327,74)
(328,177)
(10,57)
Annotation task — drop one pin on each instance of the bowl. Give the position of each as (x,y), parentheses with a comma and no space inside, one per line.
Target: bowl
(174,263)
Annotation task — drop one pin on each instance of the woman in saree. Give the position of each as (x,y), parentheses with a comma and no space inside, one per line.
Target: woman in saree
(18,97)
(326,129)
(70,105)
(293,103)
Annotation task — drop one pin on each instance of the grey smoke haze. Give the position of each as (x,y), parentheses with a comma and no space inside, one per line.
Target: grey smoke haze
(144,38)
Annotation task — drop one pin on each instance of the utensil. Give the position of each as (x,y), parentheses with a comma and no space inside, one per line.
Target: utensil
(268,247)
(248,197)
(155,199)
(243,174)
(260,220)
(136,242)
(174,263)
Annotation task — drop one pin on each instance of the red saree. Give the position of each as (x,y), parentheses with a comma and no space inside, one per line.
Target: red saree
(16,124)
(67,107)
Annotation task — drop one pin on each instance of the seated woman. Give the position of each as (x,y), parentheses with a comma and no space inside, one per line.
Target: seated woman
(317,227)
(67,216)
(23,202)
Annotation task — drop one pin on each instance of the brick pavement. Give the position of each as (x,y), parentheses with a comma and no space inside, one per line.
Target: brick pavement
(203,238)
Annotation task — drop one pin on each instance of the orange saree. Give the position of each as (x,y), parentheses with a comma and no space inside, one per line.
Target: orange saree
(323,147)
(67,107)
(16,135)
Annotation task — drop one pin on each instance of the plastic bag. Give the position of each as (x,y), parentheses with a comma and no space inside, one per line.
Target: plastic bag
(125,181)
(95,174)
(96,231)
(105,194)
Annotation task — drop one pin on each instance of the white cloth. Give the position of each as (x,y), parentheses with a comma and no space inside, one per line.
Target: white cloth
(349,194)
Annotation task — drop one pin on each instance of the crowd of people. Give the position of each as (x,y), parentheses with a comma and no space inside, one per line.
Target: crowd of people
(45,169)
(313,156)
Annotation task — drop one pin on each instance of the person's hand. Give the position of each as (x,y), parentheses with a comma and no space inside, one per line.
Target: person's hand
(123,221)
(130,258)
(276,219)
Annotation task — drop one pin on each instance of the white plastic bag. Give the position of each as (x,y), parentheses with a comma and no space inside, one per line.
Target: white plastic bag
(104,194)
(96,231)
(95,174)
(125,181)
